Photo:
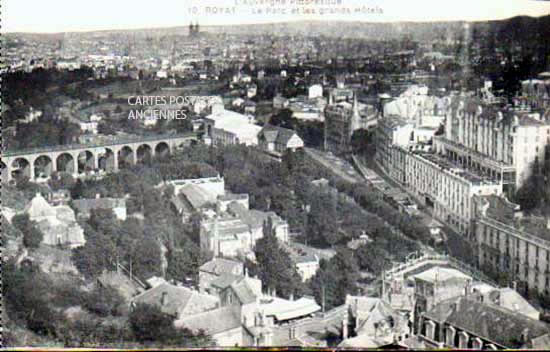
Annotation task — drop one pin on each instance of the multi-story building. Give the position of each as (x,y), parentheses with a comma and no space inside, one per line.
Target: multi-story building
(501,145)
(536,93)
(344,115)
(233,229)
(225,127)
(446,188)
(509,242)
(469,323)
(393,136)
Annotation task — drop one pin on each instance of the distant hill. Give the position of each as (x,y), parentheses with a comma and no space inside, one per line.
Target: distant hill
(517,29)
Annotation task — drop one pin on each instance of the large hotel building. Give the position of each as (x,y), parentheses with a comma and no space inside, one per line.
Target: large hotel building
(467,172)
(499,145)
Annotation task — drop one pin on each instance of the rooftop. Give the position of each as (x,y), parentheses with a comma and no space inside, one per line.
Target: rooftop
(283,309)
(176,300)
(213,321)
(508,213)
(220,266)
(453,168)
(441,274)
(499,325)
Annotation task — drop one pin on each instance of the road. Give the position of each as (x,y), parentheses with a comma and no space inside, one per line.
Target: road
(342,168)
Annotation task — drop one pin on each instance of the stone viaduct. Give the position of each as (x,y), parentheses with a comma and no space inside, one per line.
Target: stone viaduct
(80,159)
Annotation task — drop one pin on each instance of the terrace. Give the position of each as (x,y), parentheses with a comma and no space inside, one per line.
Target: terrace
(504,213)
(454,168)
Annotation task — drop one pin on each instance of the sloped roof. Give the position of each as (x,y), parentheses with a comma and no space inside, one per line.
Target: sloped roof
(365,341)
(224,280)
(39,207)
(371,312)
(178,301)
(439,273)
(244,292)
(283,309)
(213,321)
(499,325)
(220,266)
(197,196)
(512,300)
(276,134)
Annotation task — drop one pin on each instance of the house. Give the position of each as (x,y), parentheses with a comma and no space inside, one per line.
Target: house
(83,207)
(372,323)
(279,140)
(215,268)
(465,323)
(177,301)
(437,284)
(229,127)
(315,91)
(57,223)
(59,197)
(233,228)
(88,126)
(306,262)
(222,324)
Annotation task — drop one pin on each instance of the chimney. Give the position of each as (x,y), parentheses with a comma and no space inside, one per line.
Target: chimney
(163,298)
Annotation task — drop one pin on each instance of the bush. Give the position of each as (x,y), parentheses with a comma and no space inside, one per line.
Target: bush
(104,301)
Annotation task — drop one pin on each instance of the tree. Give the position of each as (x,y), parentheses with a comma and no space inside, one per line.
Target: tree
(25,294)
(98,254)
(150,325)
(61,180)
(335,279)
(104,301)
(275,268)
(32,236)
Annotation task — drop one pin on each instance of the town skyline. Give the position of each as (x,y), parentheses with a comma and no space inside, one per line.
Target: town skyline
(45,18)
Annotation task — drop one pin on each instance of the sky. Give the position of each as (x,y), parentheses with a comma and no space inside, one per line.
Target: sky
(51,16)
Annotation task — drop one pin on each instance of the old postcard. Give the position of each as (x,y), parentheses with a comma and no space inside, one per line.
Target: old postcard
(275,173)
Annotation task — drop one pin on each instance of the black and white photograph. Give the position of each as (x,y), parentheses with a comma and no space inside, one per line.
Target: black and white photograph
(314,174)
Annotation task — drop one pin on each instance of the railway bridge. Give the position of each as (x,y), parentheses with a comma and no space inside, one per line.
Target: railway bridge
(78,159)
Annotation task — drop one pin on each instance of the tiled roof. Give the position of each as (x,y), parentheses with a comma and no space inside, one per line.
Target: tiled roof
(277,134)
(499,325)
(224,280)
(512,300)
(244,292)
(219,266)
(178,301)
(196,196)
(213,321)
